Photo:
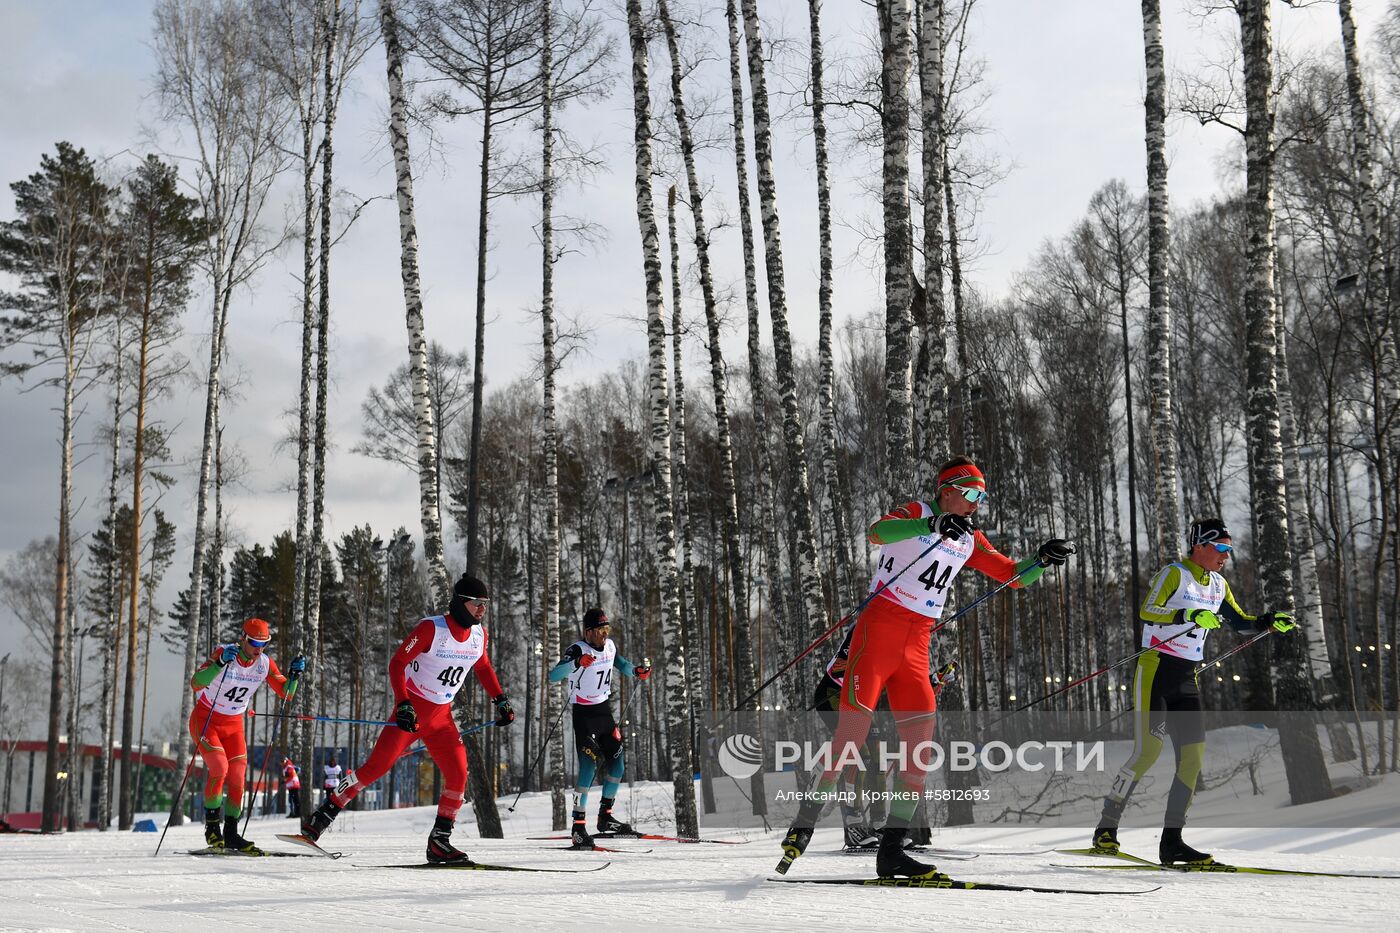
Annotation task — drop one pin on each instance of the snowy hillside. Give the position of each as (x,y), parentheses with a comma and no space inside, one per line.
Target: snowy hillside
(93,881)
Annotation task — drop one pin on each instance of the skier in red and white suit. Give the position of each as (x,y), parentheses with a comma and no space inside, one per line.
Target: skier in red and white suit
(426,673)
(923,546)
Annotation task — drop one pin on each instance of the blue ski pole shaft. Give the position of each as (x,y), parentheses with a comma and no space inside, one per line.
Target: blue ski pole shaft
(267,753)
(306,718)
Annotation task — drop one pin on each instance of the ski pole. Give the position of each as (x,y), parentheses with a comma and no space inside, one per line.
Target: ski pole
(981,599)
(544,746)
(267,752)
(175,804)
(1088,677)
(467,731)
(1237,649)
(305,718)
(742,704)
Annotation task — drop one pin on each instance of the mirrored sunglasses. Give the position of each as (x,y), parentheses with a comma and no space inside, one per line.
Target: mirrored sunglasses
(972,493)
(258,644)
(1224,548)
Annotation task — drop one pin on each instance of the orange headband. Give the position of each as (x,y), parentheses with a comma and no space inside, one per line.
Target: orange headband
(965,475)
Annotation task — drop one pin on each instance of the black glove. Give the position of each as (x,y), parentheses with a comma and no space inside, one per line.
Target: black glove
(406,717)
(295,669)
(1055,552)
(573,654)
(949,526)
(505,713)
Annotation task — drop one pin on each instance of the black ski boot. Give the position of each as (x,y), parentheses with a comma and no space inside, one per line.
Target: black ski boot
(607,823)
(893,862)
(578,835)
(861,836)
(320,821)
(799,834)
(441,851)
(234,841)
(213,831)
(1105,840)
(1173,851)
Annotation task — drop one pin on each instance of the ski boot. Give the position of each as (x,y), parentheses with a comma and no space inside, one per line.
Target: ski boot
(234,841)
(1173,851)
(607,823)
(860,836)
(441,851)
(213,831)
(893,862)
(799,835)
(321,820)
(1105,841)
(579,836)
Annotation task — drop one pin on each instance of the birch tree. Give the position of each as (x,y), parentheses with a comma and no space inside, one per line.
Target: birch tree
(429,506)
(895,58)
(931,379)
(1307,774)
(833,504)
(210,86)
(757,393)
(800,493)
(718,370)
(1161,415)
(663,515)
(550,630)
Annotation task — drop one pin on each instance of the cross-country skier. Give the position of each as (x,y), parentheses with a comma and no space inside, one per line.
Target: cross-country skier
(291,780)
(587,666)
(1187,599)
(226,684)
(426,672)
(890,642)
(826,700)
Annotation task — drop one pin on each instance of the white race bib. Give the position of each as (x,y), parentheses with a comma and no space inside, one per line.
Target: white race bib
(439,672)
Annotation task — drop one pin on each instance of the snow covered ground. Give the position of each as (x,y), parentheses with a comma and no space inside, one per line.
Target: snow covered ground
(109,881)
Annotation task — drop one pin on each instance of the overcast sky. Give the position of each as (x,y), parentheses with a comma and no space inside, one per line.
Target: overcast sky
(1064,115)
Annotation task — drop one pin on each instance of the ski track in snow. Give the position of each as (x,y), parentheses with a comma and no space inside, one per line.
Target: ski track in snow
(109,881)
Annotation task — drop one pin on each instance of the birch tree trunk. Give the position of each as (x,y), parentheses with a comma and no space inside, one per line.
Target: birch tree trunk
(969,431)
(207,75)
(329,36)
(833,506)
(1303,762)
(757,393)
(664,531)
(931,383)
(800,496)
(1378,325)
(479,358)
(550,630)
(734,559)
(429,508)
(308,99)
(895,57)
(1161,416)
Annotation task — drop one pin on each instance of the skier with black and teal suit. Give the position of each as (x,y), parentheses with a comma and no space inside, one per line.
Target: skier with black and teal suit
(587,666)
(1187,599)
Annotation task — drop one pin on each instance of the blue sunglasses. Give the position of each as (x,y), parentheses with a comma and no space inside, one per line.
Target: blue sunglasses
(971,493)
(259,644)
(1224,548)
